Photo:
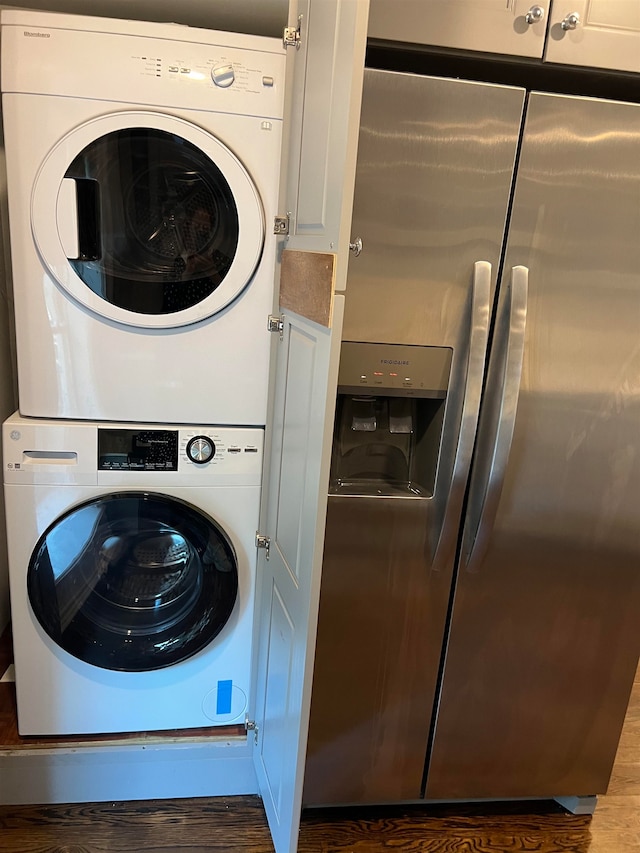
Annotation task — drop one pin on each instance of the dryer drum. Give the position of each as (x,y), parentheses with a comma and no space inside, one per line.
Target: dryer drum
(133,581)
(158,223)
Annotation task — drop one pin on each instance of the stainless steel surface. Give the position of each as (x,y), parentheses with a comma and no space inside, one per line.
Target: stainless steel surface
(434,172)
(393,369)
(534,15)
(503,386)
(435,163)
(571,21)
(539,654)
(371,692)
(478,337)
(544,637)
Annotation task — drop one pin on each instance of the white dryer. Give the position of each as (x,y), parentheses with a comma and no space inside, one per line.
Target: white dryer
(132,570)
(143,168)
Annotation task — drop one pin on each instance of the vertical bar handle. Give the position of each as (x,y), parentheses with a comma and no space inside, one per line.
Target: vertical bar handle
(476,542)
(478,337)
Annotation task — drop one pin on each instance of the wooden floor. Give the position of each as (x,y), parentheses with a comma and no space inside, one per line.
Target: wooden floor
(237,825)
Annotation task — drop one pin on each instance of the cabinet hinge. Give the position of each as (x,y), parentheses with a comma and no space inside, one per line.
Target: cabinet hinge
(275,324)
(263,542)
(291,36)
(281,225)
(250,726)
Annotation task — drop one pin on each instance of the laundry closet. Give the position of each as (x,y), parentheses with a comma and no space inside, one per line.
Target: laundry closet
(141,495)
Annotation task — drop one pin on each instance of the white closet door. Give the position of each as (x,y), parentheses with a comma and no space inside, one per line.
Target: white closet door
(325,92)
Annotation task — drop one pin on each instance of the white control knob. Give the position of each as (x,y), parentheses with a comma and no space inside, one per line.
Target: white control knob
(200,449)
(223,75)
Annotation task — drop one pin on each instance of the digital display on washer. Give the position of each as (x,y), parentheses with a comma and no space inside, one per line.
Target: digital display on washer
(137,450)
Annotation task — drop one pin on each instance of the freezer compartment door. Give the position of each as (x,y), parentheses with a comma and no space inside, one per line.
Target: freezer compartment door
(544,640)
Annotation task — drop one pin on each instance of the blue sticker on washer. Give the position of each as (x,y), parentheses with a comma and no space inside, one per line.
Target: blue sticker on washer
(223,701)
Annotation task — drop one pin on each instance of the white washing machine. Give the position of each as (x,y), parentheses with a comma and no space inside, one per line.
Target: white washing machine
(143,168)
(132,569)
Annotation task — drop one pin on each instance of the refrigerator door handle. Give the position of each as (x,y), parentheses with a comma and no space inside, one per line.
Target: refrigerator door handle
(478,338)
(476,542)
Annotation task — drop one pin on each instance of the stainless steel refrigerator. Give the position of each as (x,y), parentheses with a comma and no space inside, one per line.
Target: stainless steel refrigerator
(480,604)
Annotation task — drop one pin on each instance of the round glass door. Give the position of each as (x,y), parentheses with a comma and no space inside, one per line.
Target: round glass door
(147,220)
(133,581)
(157,222)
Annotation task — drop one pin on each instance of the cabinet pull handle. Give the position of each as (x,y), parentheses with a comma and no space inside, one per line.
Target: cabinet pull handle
(571,21)
(534,15)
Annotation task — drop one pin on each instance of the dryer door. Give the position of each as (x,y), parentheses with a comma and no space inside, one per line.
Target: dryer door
(147,219)
(133,581)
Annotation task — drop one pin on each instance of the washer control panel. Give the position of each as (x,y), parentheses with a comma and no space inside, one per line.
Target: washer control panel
(73,452)
(137,450)
(148,449)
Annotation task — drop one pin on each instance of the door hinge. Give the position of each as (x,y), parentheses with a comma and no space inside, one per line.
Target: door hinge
(275,324)
(250,726)
(281,225)
(291,36)
(263,542)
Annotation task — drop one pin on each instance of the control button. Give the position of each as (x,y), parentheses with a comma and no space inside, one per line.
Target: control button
(200,449)
(174,69)
(223,75)
(251,450)
(234,449)
(267,81)
(185,71)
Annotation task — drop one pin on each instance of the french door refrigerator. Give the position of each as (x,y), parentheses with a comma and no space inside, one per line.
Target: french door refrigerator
(478,638)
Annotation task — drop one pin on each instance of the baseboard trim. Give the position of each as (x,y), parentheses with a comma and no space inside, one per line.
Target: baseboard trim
(126,772)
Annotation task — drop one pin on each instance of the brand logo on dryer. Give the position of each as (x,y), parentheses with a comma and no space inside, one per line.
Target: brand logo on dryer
(394,361)
(30,34)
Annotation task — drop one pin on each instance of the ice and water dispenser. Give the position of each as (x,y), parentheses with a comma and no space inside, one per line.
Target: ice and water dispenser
(389,416)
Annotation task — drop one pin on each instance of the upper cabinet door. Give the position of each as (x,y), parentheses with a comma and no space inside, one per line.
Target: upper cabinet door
(325,90)
(498,26)
(596,33)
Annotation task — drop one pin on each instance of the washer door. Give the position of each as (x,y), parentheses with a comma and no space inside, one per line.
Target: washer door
(133,581)
(147,220)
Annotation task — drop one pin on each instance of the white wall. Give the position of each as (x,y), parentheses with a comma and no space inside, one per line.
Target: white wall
(257,17)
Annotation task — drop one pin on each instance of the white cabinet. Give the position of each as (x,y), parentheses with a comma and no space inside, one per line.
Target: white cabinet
(498,26)
(597,33)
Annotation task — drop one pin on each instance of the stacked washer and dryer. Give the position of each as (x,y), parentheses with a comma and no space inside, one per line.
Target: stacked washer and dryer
(143,164)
